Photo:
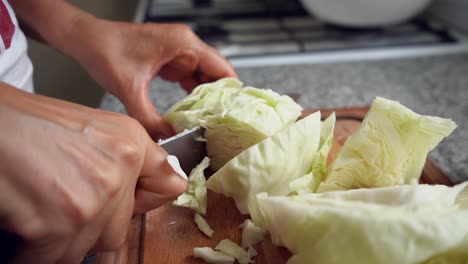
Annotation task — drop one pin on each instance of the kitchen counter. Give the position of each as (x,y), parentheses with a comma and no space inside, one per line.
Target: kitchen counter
(431,85)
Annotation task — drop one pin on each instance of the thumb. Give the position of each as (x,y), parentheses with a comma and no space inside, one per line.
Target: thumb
(140,107)
(161,180)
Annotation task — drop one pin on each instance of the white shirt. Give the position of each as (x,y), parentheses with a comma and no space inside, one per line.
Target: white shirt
(15,66)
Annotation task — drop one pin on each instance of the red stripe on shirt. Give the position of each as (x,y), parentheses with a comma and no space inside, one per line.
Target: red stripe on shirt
(7,28)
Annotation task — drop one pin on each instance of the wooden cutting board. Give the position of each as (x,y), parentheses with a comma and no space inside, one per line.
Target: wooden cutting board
(168,234)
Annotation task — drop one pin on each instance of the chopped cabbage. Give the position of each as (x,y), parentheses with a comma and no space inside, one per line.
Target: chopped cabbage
(195,197)
(229,247)
(234,117)
(203,225)
(211,256)
(398,224)
(390,147)
(251,234)
(252,253)
(310,182)
(270,165)
(305,184)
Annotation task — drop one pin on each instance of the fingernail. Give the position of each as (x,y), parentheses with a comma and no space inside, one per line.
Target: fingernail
(174,162)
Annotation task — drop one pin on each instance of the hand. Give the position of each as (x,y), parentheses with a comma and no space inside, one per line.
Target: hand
(124,58)
(71,177)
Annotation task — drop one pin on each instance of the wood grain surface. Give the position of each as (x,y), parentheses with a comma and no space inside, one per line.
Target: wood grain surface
(169,234)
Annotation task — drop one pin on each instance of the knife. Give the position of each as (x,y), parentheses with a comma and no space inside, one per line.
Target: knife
(189,147)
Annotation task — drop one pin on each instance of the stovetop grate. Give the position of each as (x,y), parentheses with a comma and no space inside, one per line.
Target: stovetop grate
(246,28)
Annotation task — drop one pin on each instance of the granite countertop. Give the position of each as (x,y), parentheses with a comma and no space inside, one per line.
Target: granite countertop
(431,85)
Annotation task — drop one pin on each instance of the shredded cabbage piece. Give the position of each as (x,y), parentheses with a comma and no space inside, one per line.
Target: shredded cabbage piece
(211,256)
(229,247)
(195,197)
(251,234)
(252,253)
(234,117)
(203,225)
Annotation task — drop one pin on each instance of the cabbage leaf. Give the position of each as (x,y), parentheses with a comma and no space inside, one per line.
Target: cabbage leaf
(270,165)
(390,147)
(195,197)
(210,255)
(310,182)
(397,224)
(202,225)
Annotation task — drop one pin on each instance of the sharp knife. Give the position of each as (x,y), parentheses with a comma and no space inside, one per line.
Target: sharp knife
(189,147)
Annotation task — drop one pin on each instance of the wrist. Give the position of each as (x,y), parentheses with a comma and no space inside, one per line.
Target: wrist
(55,22)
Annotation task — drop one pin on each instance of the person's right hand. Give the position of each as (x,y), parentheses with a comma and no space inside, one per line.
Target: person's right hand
(71,176)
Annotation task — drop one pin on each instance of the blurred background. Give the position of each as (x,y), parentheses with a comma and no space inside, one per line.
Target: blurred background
(258,33)
(58,76)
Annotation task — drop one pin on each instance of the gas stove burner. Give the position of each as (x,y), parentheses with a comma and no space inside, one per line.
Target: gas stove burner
(246,28)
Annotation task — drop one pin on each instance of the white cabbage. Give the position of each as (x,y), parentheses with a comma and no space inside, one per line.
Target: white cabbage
(270,165)
(390,147)
(195,197)
(211,256)
(203,225)
(310,182)
(234,117)
(398,224)
(229,247)
(251,233)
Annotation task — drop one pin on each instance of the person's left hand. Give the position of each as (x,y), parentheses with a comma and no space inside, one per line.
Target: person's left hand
(125,57)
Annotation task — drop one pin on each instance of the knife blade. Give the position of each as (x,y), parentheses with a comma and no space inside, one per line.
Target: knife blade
(188,146)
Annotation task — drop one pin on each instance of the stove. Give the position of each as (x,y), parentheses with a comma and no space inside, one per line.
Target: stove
(265,32)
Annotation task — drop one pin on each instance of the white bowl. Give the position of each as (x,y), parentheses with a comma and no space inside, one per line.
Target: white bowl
(365,13)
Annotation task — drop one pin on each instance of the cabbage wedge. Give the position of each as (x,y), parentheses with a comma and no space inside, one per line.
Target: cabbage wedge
(390,147)
(270,165)
(310,182)
(399,224)
(234,117)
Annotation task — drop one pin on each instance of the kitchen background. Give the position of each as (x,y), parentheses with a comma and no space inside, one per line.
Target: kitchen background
(422,63)
(53,71)
(58,76)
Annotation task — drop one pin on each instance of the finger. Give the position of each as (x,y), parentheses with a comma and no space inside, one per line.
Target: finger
(186,61)
(140,107)
(215,66)
(189,83)
(159,181)
(170,73)
(181,66)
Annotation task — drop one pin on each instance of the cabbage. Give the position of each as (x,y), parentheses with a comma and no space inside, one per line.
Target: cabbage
(308,183)
(390,147)
(211,256)
(270,165)
(398,224)
(251,234)
(229,247)
(311,181)
(203,225)
(234,117)
(195,197)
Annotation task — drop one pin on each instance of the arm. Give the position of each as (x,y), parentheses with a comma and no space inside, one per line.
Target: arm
(124,57)
(73,176)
